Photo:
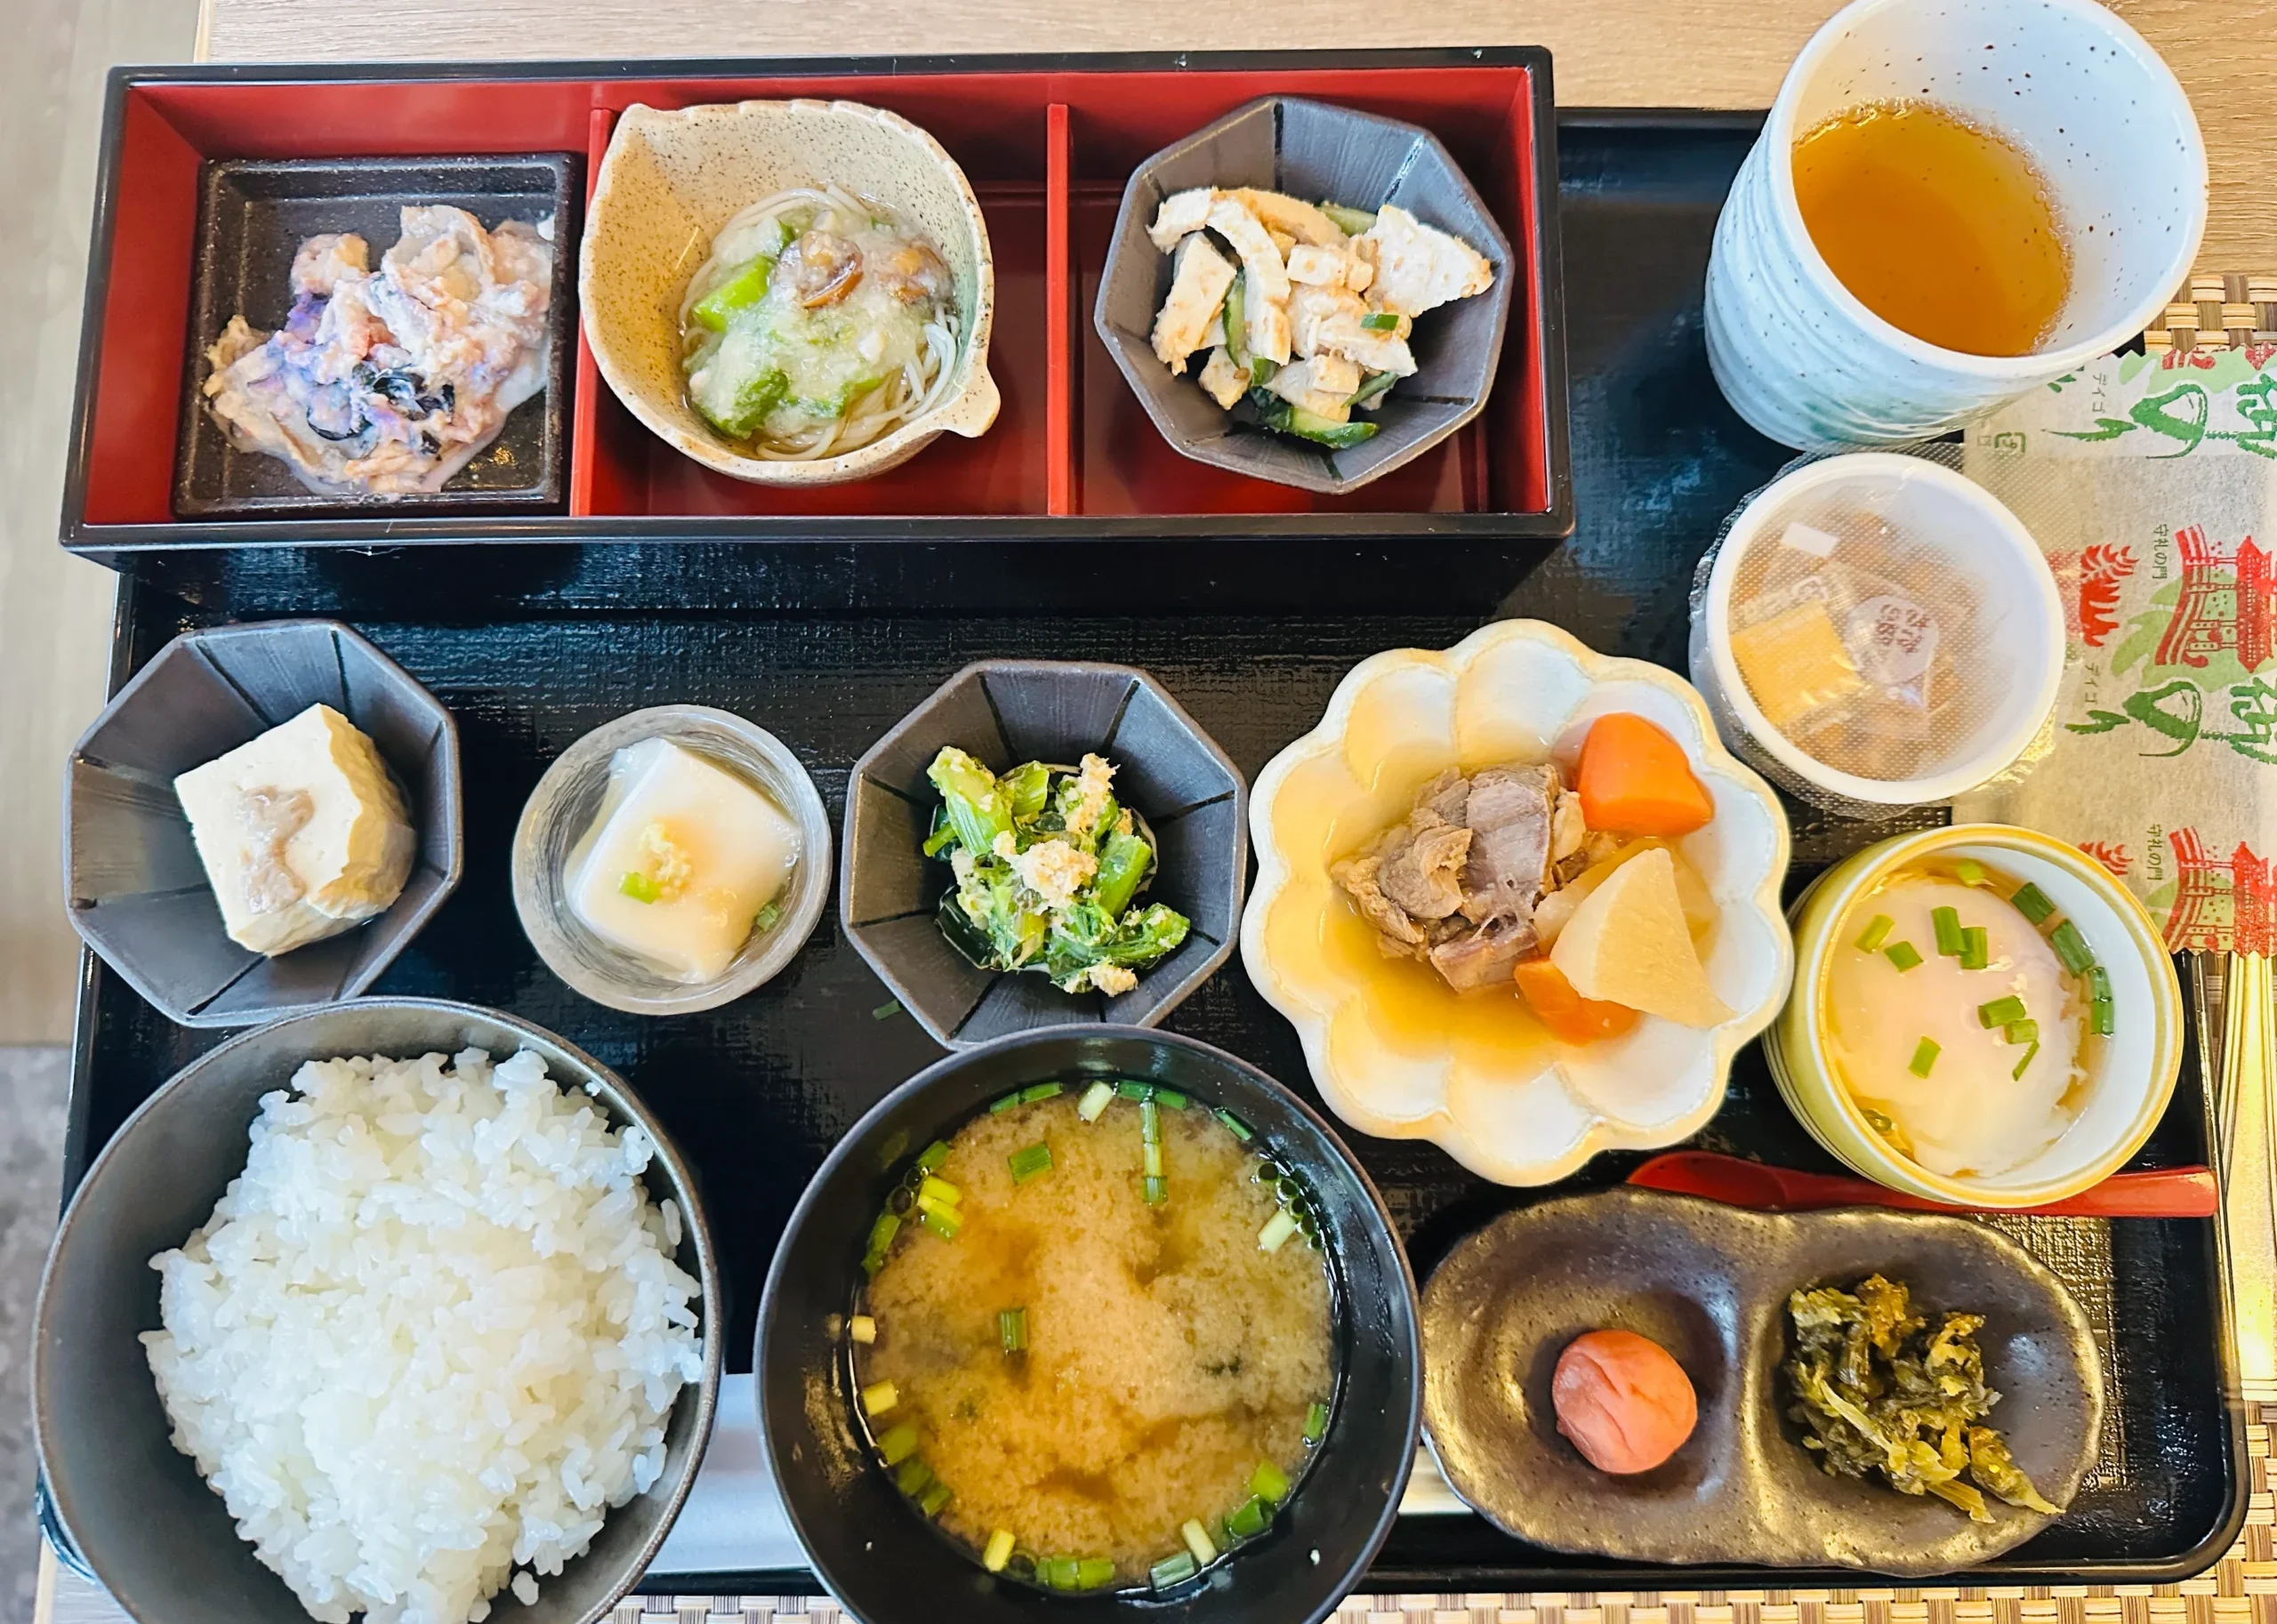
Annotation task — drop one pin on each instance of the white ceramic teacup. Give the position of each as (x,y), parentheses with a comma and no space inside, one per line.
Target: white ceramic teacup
(1803,360)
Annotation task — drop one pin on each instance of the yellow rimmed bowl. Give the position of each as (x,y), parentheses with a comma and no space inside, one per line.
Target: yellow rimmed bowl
(2132,1076)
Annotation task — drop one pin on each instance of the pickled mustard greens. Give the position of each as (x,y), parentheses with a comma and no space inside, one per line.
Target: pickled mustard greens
(818,324)
(1884,1397)
(1048,868)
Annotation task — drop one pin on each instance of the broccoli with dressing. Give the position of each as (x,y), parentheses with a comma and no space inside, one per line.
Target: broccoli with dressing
(1048,868)
(1305,311)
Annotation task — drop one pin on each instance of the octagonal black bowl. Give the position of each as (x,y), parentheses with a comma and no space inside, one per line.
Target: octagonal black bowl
(1317,152)
(871,1546)
(137,892)
(161,1541)
(1168,771)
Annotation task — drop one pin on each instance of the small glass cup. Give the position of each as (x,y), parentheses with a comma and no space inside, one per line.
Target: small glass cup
(568,798)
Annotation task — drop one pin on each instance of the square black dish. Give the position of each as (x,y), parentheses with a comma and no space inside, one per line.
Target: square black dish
(829,646)
(253,215)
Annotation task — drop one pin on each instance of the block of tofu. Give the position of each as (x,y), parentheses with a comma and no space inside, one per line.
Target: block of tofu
(1291,217)
(1180,215)
(1311,306)
(679,861)
(1225,381)
(1198,296)
(1300,386)
(1318,266)
(1265,320)
(1420,267)
(1254,244)
(302,831)
(1342,334)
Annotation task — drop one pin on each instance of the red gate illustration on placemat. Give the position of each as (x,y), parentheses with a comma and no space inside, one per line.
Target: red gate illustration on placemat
(2216,897)
(2227,602)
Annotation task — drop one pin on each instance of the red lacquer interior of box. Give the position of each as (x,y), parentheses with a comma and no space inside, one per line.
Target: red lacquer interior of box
(1047,152)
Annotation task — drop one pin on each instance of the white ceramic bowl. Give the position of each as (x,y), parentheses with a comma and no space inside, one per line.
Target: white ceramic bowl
(1515,690)
(1796,352)
(2023,649)
(672,179)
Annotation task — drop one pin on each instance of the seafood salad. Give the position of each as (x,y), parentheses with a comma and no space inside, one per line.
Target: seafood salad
(1305,311)
(386,383)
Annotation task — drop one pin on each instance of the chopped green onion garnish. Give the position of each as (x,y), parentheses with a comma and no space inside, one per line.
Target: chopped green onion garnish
(638,887)
(1269,1483)
(1172,1570)
(1879,1121)
(1902,954)
(931,1501)
(1093,1571)
(1005,1104)
(891,1007)
(767,917)
(1171,1099)
(933,1155)
(1969,871)
(863,1329)
(2024,1064)
(1946,923)
(1277,1230)
(1876,933)
(1150,1158)
(2000,1011)
(1029,1160)
(1036,1091)
(2032,902)
(1237,1127)
(1156,1189)
(941,1220)
(912,1476)
(940,1190)
(1925,1055)
(879,1397)
(1380,321)
(2072,948)
(1249,1519)
(1316,1423)
(1012,1330)
(1057,1571)
(1150,1121)
(1198,1540)
(2103,1016)
(1135,1090)
(882,1232)
(899,1444)
(999,1551)
(1094,1101)
(1975,947)
(2098,982)
(2021,1032)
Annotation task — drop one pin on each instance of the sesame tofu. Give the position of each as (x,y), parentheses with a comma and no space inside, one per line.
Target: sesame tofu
(1420,267)
(1342,334)
(1181,214)
(1225,382)
(1299,386)
(1269,276)
(1291,217)
(1311,307)
(1318,267)
(1266,318)
(1198,296)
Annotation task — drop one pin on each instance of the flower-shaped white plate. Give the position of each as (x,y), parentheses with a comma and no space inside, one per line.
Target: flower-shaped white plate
(1499,1096)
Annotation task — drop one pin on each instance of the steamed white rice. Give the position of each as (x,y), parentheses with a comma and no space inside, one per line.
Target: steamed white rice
(430,1337)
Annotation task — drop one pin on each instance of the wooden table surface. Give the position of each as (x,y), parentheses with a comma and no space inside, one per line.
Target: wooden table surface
(1717,53)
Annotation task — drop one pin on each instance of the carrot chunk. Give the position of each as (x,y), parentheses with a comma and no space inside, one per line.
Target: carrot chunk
(1634,780)
(1570,1017)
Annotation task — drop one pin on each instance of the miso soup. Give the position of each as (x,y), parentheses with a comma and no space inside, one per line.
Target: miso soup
(1095,1341)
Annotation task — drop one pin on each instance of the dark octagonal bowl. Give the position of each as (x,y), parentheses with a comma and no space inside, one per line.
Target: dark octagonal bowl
(1168,772)
(870,1545)
(145,1524)
(138,894)
(1315,151)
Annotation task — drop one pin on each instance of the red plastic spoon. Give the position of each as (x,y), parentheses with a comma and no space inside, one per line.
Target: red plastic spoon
(2177,1191)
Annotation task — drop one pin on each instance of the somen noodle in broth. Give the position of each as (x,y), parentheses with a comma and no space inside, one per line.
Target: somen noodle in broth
(819,324)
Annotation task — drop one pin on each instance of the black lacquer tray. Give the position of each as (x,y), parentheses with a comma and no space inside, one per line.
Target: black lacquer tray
(829,645)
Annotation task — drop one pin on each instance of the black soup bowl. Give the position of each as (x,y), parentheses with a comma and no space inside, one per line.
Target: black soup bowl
(876,1551)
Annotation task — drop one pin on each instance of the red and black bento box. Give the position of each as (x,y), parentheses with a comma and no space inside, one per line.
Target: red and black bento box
(1048,142)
